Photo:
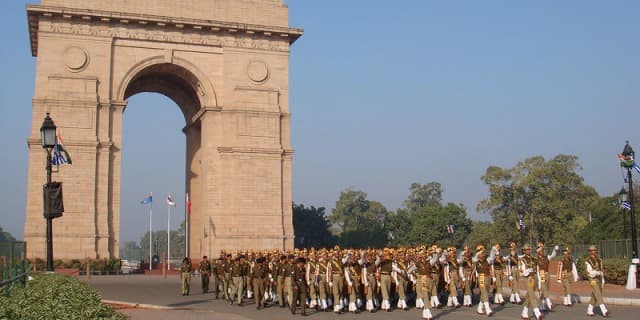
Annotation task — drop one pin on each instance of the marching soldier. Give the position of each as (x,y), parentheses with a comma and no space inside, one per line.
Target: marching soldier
(528,268)
(424,278)
(436,272)
(336,281)
(543,274)
(288,280)
(595,273)
(205,273)
(513,273)
(238,272)
(185,275)
(226,283)
(466,265)
(483,272)
(400,277)
(451,277)
(386,267)
(281,275)
(567,270)
(312,279)
(370,277)
(323,279)
(299,283)
(499,265)
(353,275)
(259,274)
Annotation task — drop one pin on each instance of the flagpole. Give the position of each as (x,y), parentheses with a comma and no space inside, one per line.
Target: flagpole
(168,235)
(186,226)
(150,232)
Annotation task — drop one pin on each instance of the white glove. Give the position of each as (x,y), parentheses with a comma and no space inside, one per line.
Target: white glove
(494,279)
(510,278)
(308,283)
(556,248)
(330,284)
(559,281)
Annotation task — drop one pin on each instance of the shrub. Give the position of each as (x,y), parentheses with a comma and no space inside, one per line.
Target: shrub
(54,296)
(615,270)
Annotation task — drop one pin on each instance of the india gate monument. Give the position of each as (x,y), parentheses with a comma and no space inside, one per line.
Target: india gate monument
(225,63)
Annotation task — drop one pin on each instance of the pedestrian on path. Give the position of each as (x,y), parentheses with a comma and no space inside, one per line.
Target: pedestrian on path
(185,274)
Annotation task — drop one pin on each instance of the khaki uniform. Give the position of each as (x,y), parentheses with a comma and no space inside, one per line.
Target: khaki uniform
(337,282)
(322,284)
(354,273)
(259,275)
(499,266)
(452,279)
(513,271)
(595,279)
(227,285)
(370,275)
(205,274)
(185,275)
(299,288)
(565,270)
(386,266)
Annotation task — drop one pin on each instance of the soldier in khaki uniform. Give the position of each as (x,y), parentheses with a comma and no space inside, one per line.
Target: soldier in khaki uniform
(370,277)
(452,277)
(513,273)
(281,271)
(323,279)
(543,274)
(566,271)
(528,269)
(259,275)
(466,263)
(353,277)
(483,269)
(499,266)
(336,282)
(227,284)
(423,268)
(205,273)
(185,275)
(312,279)
(386,267)
(299,283)
(595,272)
(401,278)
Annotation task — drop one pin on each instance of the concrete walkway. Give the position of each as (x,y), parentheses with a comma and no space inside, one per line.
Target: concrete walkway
(155,297)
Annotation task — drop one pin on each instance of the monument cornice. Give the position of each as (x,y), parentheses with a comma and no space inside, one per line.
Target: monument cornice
(209,32)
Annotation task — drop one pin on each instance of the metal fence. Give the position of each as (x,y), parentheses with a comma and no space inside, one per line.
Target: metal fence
(607,249)
(13,265)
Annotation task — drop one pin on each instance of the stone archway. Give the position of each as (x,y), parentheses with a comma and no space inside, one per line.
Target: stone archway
(226,67)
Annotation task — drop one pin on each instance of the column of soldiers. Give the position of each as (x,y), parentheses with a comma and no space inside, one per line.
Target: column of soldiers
(347,280)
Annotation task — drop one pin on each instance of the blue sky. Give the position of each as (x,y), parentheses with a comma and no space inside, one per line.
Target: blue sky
(385,93)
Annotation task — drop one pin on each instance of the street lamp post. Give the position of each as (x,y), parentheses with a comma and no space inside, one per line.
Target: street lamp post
(623,198)
(48,139)
(627,161)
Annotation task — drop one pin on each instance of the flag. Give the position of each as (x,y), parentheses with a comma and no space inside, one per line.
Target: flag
(636,167)
(450,229)
(625,205)
(390,236)
(147,200)
(188,204)
(170,201)
(60,154)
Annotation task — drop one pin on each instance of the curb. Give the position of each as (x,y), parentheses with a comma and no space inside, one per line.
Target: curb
(134,305)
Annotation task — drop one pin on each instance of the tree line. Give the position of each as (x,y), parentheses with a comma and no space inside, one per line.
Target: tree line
(535,200)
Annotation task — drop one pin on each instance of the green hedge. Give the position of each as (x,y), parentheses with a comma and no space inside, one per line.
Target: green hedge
(615,270)
(54,296)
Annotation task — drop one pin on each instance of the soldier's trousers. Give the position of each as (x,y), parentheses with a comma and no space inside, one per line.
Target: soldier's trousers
(423,284)
(596,291)
(205,282)
(186,282)
(483,284)
(372,286)
(355,289)
(313,291)
(238,286)
(566,283)
(288,283)
(532,300)
(499,281)
(544,284)
(280,291)
(215,284)
(515,283)
(401,287)
(249,283)
(258,290)
(226,285)
(385,287)
(453,283)
(338,283)
(322,289)
(467,282)
(299,294)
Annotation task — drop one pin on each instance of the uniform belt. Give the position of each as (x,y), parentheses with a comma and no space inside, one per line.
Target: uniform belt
(335,272)
(385,273)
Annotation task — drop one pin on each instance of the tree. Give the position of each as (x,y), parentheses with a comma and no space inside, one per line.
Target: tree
(311,227)
(131,251)
(159,243)
(549,197)
(6,236)
(361,222)
(424,220)
(484,232)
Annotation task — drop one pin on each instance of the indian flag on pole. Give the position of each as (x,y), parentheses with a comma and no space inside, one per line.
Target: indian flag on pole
(170,201)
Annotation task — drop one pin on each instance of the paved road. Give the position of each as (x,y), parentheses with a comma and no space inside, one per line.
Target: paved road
(156,292)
